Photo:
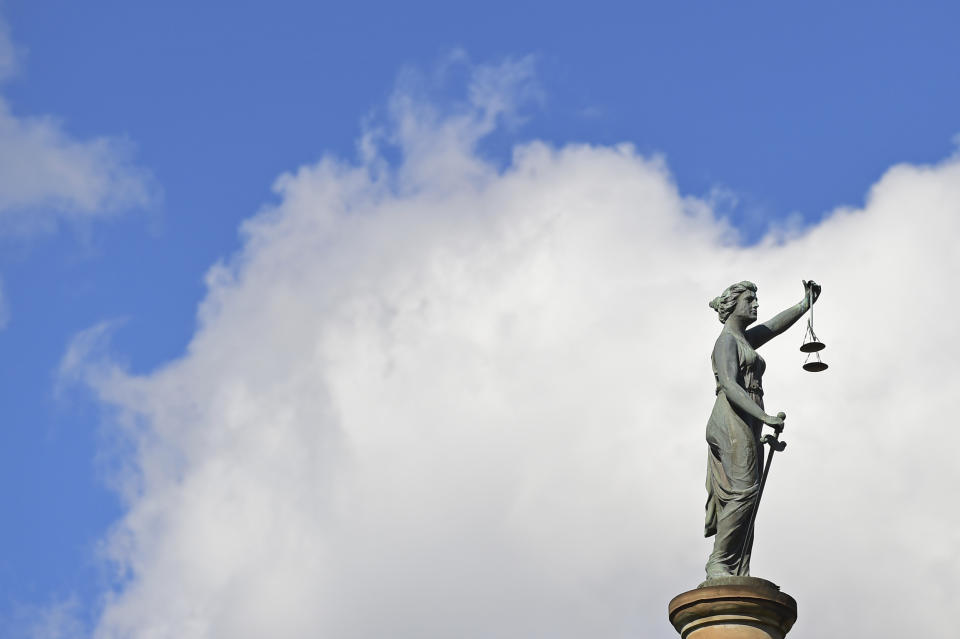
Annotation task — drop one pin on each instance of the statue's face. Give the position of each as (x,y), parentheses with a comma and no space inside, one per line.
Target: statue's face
(747,306)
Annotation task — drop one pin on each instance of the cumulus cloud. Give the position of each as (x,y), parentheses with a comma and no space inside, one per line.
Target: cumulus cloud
(443,399)
(47,175)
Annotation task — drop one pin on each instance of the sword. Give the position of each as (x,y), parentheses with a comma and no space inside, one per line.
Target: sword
(775,446)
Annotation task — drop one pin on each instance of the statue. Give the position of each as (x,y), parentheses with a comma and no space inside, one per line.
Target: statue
(734,459)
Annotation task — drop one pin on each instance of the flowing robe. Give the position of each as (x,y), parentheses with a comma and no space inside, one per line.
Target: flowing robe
(734,465)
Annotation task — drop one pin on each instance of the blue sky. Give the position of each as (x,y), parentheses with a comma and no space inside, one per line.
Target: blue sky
(782,111)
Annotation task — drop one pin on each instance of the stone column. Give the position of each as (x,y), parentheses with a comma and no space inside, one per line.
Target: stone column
(733,608)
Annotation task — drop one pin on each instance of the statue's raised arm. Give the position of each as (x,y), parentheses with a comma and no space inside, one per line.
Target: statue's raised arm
(766,331)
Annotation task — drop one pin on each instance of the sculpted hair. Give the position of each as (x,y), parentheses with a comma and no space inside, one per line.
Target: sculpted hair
(727,301)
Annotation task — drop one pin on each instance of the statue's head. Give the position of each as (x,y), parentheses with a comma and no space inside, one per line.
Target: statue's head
(737,299)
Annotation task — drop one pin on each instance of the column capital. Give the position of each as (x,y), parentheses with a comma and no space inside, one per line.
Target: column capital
(733,608)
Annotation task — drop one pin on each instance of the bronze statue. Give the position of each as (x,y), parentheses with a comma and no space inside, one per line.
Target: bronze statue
(734,459)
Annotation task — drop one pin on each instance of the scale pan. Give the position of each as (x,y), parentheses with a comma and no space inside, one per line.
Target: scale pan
(812,347)
(814,367)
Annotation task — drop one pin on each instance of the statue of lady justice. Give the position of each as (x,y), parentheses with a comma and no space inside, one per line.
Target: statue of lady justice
(734,459)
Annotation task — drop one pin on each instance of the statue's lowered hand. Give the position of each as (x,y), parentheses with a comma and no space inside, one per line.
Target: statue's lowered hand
(776,422)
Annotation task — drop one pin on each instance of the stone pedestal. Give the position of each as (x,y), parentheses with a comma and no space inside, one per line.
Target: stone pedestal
(733,608)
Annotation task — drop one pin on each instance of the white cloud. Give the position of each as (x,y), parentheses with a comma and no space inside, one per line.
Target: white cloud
(47,175)
(443,400)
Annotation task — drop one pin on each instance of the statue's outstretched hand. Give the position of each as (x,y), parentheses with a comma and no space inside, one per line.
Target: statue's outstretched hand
(811,291)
